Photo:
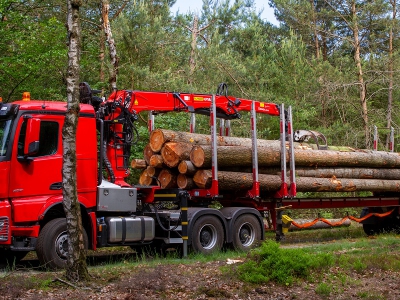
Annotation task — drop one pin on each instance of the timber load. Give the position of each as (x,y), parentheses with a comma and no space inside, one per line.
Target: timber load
(181,159)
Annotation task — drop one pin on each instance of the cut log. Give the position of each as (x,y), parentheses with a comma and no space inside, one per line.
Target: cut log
(167,179)
(186,167)
(138,164)
(272,183)
(152,172)
(156,161)
(147,153)
(359,173)
(185,182)
(228,156)
(173,153)
(145,178)
(159,137)
(234,181)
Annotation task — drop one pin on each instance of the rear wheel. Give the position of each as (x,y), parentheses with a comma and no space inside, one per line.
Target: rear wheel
(246,232)
(52,244)
(207,235)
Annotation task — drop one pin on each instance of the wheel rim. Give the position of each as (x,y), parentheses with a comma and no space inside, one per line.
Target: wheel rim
(208,236)
(246,234)
(61,245)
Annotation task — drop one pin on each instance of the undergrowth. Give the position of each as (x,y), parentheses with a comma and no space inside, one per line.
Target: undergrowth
(269,262)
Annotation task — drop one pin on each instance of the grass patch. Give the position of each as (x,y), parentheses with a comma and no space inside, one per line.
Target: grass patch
(324,289)
(269,262)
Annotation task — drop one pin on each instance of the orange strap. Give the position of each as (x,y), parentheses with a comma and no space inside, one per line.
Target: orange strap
(338,223)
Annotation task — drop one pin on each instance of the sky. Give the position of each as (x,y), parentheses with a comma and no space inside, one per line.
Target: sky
(195,5)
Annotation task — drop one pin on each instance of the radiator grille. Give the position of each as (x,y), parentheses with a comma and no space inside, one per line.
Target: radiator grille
(4,228)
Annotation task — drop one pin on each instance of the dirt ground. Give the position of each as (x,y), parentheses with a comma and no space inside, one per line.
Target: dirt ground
(198,281)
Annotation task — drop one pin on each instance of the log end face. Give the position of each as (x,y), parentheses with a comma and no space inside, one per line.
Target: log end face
(197,156)
(157,140)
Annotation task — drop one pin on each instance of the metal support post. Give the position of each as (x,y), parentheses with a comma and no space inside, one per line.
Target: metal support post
(293,190)
(283,191)
(214,165)
(221,127)
(192,123)
(279,235)
(228,128)
(256,183)
(150,121)
(375,138)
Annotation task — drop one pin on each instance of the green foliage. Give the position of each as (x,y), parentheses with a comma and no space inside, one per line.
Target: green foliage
(323,289)
(269,262)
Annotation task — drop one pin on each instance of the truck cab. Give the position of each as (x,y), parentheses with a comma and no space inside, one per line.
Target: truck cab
(30,168)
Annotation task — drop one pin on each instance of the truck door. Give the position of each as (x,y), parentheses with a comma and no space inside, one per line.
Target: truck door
(33,180)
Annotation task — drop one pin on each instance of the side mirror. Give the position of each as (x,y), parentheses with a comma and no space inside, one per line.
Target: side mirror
(31,145)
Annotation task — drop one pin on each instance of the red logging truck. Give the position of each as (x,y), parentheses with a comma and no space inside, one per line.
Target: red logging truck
(116,213)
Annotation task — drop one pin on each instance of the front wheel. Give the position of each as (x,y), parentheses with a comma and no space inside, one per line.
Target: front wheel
(207,235)
(246,233)
(52,244)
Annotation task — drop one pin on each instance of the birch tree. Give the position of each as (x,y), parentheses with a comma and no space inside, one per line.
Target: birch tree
(76,258)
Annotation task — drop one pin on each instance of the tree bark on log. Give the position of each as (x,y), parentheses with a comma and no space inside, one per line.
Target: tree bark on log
(167,179)
(138,164)
(185,182)
(186,167)
(228,156)
(159,137)
(359,173)
(271,183)
(156,161)
(173,153)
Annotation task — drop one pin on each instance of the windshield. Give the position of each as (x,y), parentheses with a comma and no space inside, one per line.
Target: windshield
(5,128)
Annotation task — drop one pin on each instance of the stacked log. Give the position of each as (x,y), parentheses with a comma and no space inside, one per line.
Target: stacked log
(184,160)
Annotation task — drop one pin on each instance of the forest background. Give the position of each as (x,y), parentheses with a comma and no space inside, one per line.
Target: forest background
(335,62)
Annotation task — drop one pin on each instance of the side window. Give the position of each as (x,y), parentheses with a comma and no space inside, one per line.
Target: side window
(48,140)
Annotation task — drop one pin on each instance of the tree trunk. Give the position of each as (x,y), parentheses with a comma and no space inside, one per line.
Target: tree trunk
(173,153)
(111,45)
(361,83)
(235,181)
(186,167)
(167,179)
(138,164)
(390,69)
(76,258)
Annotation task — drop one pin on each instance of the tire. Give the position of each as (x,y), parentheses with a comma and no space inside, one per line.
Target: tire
(207,235)
(370,229)
(52,244)
(246,233)
(8,258)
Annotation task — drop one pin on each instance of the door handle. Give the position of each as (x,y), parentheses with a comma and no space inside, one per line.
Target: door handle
(56,186)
